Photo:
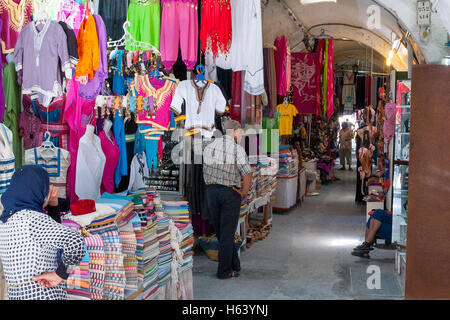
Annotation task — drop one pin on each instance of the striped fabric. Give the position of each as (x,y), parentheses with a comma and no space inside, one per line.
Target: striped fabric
(94,245)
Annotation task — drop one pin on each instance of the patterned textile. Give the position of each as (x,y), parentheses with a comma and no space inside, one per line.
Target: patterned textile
(304,82)
(29,244)
(94,245)
(78,283)
(225,162)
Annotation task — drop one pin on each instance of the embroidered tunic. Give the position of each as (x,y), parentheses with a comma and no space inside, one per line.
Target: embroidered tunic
(15,14)
(38,53)
(200,111)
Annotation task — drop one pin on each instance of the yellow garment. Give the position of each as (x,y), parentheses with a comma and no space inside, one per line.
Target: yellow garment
(287,116)
(303,133)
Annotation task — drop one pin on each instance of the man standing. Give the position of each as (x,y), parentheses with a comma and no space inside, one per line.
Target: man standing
(225,162)
(345,142)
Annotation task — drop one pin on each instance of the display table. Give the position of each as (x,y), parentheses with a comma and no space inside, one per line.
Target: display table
(286,193)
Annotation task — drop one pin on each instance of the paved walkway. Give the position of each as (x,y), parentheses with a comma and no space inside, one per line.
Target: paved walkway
(306,255)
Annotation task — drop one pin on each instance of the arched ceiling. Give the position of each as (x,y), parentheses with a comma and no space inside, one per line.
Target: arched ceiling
(345,19)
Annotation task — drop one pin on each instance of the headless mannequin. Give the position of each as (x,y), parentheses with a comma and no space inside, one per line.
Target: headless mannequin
(107,128)
(90,132)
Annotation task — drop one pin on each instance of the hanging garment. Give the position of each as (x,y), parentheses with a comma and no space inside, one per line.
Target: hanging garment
(12,111)
(112,153)
(348,91)
(304,82)
(130,136)
(288,112)
(15,14)
(179,29)
(51,8)
(389,122)
(72,46)
(360,92)
(138,171)
(29,127)
(7,158)
(37,53)
(330,83)
(88,48)
(119,134)
(114,14)
(96,85)
(118,87)
(270,82)
(280,65)
(52,119)
(216,27)
(288,68)
(236,102)
(71,13)
(247,37)
(201,105)
(144,17)
(55,161)
(78,113)
(90,167)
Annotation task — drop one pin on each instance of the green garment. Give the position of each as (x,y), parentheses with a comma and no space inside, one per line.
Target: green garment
(145,25)
(268,125)
(13,96)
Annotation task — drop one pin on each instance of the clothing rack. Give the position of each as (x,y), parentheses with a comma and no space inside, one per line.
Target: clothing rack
(128,38)
(323,35)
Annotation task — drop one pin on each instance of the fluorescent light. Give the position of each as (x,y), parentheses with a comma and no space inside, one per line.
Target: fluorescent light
(388,62)
(391,54)
(316,1)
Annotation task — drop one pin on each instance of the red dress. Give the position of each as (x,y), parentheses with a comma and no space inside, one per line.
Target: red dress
(216,30)
(112,153)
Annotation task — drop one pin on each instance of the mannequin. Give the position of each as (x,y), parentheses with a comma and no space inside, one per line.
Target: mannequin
(107,125)
(90,166)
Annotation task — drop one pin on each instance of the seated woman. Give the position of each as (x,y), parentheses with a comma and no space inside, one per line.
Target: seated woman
(379,224)
(30,240)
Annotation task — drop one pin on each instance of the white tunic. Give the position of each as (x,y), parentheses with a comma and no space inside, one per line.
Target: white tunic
(199,117)
(90,165)
(246,52)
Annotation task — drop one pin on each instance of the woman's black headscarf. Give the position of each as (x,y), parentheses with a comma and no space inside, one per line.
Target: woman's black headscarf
(28,190)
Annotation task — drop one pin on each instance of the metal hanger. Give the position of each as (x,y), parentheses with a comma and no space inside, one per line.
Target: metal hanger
(127,38)
(323,35)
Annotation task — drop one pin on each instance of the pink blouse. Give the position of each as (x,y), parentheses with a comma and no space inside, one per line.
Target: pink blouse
(112,153)
(15,15)
(163,94)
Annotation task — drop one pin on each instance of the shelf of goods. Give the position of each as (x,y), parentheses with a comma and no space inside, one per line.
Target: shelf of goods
(264,185)
(138,247)
(287,181)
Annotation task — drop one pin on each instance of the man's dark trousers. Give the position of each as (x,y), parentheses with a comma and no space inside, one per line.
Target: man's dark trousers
(224,206)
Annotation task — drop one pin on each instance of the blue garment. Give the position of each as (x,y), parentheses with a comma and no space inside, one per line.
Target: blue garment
(148,142)
(119,135)
(119,87)
(385,218)
(29,188)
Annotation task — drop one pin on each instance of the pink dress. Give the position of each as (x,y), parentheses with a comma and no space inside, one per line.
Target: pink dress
(78,114)
(281,65)
(112,153)
(29,129)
